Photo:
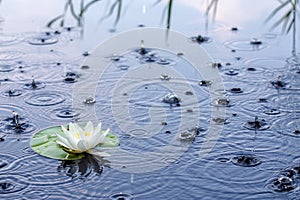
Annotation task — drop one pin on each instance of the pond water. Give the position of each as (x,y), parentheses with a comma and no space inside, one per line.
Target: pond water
(255,156)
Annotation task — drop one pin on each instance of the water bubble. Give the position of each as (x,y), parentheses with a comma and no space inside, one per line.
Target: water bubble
(246,160)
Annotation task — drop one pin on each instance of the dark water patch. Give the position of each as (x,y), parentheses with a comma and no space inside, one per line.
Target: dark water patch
(45,98)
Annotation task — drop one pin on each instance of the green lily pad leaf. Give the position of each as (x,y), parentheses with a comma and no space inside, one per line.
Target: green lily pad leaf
(44,143)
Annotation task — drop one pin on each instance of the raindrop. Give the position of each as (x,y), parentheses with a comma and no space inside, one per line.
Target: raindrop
(44,38)
(246,160)
(171,99)
(34,85)
(149,58)
(200,39)
(236,90)
(272,111)
(222,102)
(165,77)
(279,84)
(282,184)
(86,53)
(255,41)
(12,93)
(163,61)
(257,125)
(142,50)
(16,124)
(123,67)
(205,83)
(121,196)
(231,72)
(89,100)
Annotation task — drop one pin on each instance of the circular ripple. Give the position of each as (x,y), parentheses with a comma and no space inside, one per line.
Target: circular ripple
(246,160)
(45,98)
(281,184)
(10,55)
(288,125)
(262,64)
(121,196)
(6,40)
(12,92)
(7,66)
(12,183)
(245,45)
(287,102)
(45,38)
(257,125)
(34,85)
(35,193)
(6,160)
(8,126)
(65,112)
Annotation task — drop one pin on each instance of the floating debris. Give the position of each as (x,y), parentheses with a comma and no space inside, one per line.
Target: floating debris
(246,160)
(200,39)
(255,41)
(171,98)
(205,83)
(256,125)
(89,100)
(165,77)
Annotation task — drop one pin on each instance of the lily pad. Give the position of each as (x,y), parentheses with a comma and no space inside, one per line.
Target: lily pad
(44,143)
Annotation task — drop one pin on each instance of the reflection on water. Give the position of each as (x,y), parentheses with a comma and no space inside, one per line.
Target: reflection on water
(254,157)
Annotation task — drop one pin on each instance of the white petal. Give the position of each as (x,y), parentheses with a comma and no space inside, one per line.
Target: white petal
(89,127)
(64,130)
(63,141)
(82,145)
(98,129)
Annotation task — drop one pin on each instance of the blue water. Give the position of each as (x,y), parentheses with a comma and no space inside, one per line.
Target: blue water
(253,158)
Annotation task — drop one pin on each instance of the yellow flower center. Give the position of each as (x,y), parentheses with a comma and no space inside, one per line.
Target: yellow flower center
(76,135)
(87,134)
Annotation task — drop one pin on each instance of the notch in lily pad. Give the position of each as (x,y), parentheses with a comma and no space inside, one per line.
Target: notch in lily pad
(65,143)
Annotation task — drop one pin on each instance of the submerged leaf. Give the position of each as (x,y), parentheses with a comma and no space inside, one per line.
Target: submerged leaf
(44,143)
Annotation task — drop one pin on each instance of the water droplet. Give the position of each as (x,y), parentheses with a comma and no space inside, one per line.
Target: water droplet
(200,39)
(255,41)
(12,93)
(257,124)
(282,184)
(89,100)
(171,99)
(246,160)
(165,77)
(205,83)
(236,90)
(34,85)
(231,72)
(86,53)
(121,196)
(222,102)
(234,29)
(272,111)
(216,65)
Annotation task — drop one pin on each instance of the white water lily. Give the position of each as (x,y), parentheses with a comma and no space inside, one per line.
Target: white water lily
(78,140)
